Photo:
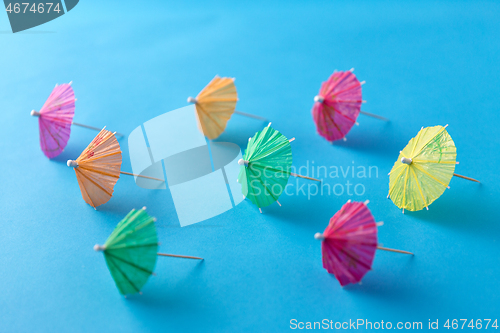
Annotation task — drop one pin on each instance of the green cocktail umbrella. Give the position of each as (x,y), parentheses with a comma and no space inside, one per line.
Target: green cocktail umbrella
(131,251)
(266,167)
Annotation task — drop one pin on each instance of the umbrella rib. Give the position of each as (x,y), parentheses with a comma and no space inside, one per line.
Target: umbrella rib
(347,89)
(267,153)
(124,275)
(419,189)
(129,246)
(132,219)
(350,101)
(345,271)
(43,136)
(404,189)
(84,189)
(394,184)
(341,78)
(436,162)
(99,172)
(416,142)
(428,174)
(276,170)
(59,118)
(93,158)
(399,166)
(265,187)
(129,263)
(354,258)
(93,182)
(346,117)
(119,228)
(57,141)
(425,145)
(250,188)
(333,121)
(208,115)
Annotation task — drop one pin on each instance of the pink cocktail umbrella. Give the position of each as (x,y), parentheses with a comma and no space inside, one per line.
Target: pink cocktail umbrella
(55,119)
(349,243)
(338,105)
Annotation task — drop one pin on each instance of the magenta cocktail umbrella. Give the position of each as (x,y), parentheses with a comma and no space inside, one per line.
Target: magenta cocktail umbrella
(55,119)
(338,105)
(349,243)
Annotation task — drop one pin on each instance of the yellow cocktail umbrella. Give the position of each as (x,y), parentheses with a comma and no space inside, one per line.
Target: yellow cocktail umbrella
(424,169)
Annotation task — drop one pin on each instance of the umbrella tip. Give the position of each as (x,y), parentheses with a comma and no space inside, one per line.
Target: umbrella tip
(34,113)
(144,208)
(319,99)
(406,160)
(72,163)
(242,162)
(319,236)
(192,100)
(98,247)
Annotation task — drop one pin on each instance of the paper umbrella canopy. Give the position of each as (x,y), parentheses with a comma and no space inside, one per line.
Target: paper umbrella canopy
(266,167)
(131,251)
(423,169)
(338,105)
(215,105)
(97,169)
(55,119)
(349,243)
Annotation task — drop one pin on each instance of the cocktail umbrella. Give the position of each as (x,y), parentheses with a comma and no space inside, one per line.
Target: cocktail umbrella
(338,105)
(349,243)
(266,167)
(55,119)
(131,251)
(423,169)
(97,169)
(215,104)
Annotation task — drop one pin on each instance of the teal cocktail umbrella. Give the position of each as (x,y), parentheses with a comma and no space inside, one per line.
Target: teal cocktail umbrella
(266,167)
(131,251)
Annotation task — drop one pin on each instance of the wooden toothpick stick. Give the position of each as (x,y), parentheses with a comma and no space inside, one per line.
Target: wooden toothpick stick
(92,128)
(468,178)
(133,174)
(178,256)
(37,114)
(373,115)
(250,115)
(296,175)
(393,250)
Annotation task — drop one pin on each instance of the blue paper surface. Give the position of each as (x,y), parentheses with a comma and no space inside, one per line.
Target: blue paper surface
(425,63)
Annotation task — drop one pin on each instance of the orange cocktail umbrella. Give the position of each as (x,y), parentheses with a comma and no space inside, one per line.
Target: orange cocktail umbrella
(98,168)
(215,104)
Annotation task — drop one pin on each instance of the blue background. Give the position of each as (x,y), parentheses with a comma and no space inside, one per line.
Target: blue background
(425,63)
